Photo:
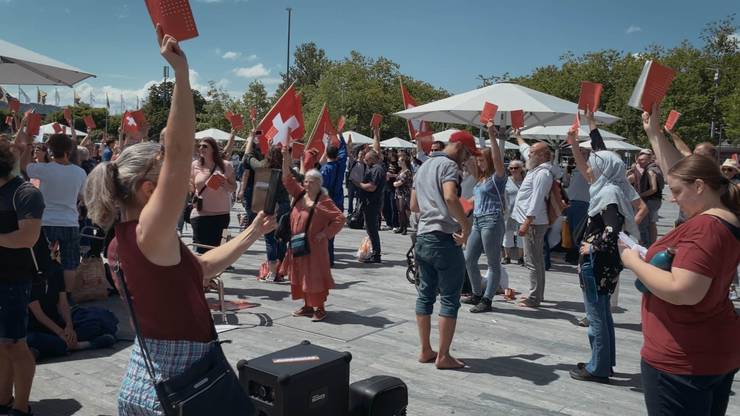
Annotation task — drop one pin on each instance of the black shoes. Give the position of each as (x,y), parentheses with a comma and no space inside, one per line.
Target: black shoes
(580,373)
(506,260)
(372,259)
(483,306)
(471,300)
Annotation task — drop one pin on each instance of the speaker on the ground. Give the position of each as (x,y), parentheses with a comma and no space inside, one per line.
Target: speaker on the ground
(305,380)
(378,396)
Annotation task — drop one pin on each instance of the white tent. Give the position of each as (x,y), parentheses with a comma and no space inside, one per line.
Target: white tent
(614,145)
(540,109)
(444,137)
(19,66)
(357,138)
(216,134)
(555,134)
(397,143)
(48,130)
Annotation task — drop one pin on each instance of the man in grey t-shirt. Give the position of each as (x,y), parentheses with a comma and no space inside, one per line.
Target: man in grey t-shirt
(443,228)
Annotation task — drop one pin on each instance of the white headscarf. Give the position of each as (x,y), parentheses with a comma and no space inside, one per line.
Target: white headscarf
(611,187)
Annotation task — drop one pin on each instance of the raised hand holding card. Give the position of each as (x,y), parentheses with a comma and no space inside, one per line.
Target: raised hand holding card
(376,120)
(488,112)
(670,122)
(590,96)
(175,17)
(517,119)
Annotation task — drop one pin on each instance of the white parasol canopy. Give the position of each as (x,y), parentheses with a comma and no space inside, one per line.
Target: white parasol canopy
(397,143)
(217,135)
(48,130)
(540,109)
(357,138)
(614,145)
(555,134)
(19,66)
(444,137)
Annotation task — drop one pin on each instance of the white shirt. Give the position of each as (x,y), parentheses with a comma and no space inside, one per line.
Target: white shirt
(530,199)
(61,186)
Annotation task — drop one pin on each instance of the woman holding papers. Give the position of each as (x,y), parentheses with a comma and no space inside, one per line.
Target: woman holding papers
(487,232)
(691,348)
(612,209)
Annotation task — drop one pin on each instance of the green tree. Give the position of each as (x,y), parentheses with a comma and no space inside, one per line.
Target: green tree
(157,106)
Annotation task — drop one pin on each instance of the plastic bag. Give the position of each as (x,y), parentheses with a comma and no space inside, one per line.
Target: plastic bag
(365,250)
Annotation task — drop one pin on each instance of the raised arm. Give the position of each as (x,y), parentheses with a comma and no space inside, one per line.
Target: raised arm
(293,188)
(156,234)
(665,153)
(87,139)
(581,163)
(679,142)
(498,159)
(230,144)
(376,140)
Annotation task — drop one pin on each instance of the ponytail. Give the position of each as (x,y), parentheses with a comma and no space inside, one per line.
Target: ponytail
(100,194)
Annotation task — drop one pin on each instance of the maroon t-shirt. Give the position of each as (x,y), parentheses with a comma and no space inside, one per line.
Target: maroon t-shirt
(702,339)
(169,301)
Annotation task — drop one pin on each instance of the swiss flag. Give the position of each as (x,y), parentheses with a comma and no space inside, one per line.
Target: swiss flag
(416,127)
(285,119)
(323,132)
(133,121)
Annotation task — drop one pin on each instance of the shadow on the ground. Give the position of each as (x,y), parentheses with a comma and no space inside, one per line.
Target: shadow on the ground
(629,326)
(56,407)
(522,366)
(538,313)
(281,292)
(347,285)
(244,272)
(564,305)
(633,381)
(352,318)
(122,344)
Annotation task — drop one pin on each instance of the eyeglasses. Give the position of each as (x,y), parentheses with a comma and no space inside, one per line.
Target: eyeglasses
(727,169)
(514,168)
(203,146)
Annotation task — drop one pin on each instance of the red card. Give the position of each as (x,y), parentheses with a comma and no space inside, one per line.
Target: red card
(237,123)
(652,86)
(517,119)
(297,150)
(488,113)
(68,113)
(672,119)
(340,124)
(590,95)
(175,17)
(89,122)
(375,122)
(57,128)
(14,105)
(466,205)
(34,124)
(215,181)
(253,114)
(426,143)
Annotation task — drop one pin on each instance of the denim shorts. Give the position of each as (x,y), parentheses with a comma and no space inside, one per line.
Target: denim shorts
(441,271)
(69,244)
(14,300)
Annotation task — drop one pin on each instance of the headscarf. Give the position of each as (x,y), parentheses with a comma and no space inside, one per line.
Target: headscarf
(611,187)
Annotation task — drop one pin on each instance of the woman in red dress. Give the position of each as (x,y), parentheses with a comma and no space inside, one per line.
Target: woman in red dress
(310,275)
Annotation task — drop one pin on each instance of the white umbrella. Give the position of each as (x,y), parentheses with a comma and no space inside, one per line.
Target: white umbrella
(48,130)
(555,134)
(19,66)
(614,145)
(357,138)
(217,135)
(444,137)
(540,109)
(397,143)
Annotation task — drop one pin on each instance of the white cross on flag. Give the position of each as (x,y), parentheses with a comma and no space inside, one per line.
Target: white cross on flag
(283,121)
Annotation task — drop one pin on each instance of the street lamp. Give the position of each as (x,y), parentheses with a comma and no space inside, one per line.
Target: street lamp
(287,58)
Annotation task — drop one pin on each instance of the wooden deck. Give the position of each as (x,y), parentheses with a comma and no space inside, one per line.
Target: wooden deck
(518,358)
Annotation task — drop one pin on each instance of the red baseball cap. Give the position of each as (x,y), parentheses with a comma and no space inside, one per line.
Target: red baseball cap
(467,140)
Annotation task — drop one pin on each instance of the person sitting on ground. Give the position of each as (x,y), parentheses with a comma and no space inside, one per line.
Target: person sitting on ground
(317,219)
(691,332)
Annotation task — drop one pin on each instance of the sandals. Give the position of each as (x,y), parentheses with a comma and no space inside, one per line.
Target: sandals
(319,315)
(306,311)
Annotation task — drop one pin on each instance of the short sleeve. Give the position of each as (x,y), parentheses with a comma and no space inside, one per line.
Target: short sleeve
(701,250)
(36,170)
(450,173)
(29,203)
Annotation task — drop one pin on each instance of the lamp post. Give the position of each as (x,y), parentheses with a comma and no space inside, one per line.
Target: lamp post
(287,58)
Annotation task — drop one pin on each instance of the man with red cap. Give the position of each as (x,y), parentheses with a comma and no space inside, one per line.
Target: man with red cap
(443,228)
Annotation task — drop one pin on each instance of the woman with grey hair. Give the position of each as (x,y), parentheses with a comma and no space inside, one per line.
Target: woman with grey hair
(314,220)
(511,248)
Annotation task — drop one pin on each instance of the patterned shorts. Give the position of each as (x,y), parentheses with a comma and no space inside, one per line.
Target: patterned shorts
(69,244)
(137,396)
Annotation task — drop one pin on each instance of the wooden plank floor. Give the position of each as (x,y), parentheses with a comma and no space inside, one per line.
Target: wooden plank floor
(518,359)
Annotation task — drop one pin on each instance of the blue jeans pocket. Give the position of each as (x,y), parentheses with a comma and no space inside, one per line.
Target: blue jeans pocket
(588,279)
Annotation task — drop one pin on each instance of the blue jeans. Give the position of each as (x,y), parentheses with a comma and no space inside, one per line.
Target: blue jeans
(276,249)
(600,324)
(441,266)
(14,300)
(486,236)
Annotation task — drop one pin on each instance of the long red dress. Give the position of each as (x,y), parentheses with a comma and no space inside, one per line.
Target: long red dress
(310,276)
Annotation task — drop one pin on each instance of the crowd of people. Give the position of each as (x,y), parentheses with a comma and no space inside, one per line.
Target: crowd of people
(458,200)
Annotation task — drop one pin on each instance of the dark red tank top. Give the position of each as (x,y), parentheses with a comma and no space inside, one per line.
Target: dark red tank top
(169,301)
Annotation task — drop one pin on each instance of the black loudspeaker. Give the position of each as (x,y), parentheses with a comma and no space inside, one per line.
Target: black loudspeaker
(378,396)
(305,380)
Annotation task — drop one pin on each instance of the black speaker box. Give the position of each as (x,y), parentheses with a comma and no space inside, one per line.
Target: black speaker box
(378,396)
(305,380)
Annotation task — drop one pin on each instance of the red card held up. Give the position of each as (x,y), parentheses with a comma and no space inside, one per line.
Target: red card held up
(68,113)
(488,113)
(215,181)
(652,86)
(466,205)
(517,119)
(57,128)
(297,150)
(590,96)
(376,120)
(175,17)
(670,122)
(237,123)
(34,124)
(14,105)
(89,122)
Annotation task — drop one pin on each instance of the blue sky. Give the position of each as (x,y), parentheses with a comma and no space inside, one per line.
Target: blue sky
(446,43)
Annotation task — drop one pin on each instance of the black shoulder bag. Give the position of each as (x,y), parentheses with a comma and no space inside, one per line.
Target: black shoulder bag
(208,386)
(197,200)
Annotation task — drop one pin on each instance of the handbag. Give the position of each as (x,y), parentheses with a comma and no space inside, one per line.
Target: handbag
(208,386)
(197,200)
(282,232)
(566,239)
(299,244)
(356,220)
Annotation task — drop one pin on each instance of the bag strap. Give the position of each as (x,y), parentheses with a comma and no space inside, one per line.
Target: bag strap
(213,170)
(33,255)
(310,212)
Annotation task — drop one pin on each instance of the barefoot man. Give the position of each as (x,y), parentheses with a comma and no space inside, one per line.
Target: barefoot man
(443,228)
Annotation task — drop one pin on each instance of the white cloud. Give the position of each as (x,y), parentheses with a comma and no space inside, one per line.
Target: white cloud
(255,71)
(252,57)
(736,37)
(232,55)
(633,29)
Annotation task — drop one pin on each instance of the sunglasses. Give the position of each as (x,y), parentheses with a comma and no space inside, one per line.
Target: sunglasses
(727,169)
(203,146)
(514,168)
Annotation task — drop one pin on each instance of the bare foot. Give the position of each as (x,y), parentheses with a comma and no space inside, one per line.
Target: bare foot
(428,357)
(448,363)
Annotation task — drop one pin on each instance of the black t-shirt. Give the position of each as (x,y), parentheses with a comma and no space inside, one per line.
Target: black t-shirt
(18,263)
(46,292)
(376,175)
